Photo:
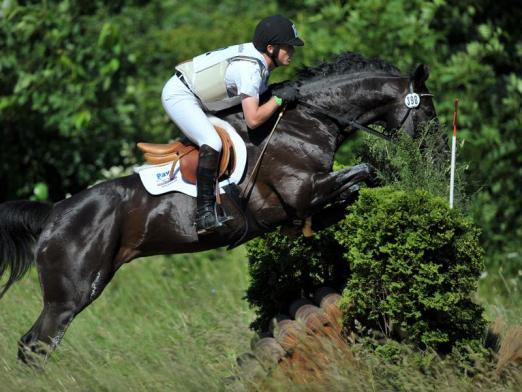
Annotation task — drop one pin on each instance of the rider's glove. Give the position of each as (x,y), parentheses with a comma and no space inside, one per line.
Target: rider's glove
(287,93)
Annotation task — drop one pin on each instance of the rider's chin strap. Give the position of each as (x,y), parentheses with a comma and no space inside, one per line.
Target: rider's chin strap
(274,55)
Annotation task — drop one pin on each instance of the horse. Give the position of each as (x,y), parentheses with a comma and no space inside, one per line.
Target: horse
(80,242)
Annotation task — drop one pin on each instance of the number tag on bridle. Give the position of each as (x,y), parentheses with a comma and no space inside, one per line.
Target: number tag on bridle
(412,100)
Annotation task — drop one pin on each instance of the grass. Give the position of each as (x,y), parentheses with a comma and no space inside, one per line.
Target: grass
(500,288)
(178,323)
(164,323)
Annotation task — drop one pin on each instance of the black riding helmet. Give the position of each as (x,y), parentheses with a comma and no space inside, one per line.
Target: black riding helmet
(275,30)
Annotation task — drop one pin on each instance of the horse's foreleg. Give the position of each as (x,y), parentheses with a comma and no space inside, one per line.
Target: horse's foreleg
(325,217)
(331,186)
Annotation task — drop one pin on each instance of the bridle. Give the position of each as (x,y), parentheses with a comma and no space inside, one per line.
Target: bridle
(411,101)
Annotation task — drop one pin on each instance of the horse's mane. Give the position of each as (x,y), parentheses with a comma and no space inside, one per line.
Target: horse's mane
(346,63)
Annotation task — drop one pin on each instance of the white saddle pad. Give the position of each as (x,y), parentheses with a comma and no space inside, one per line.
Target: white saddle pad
(155,178)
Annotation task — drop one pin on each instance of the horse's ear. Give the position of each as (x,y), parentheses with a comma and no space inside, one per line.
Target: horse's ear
(421,74)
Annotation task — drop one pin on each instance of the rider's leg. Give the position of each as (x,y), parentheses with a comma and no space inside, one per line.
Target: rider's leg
(185,110)
(206,217)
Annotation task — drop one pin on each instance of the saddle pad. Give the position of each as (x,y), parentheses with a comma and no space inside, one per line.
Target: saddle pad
(156,178)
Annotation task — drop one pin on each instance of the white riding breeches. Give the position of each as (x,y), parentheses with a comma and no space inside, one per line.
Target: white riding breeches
(185,110)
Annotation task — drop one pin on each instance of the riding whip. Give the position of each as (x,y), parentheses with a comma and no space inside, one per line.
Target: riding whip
(253,175)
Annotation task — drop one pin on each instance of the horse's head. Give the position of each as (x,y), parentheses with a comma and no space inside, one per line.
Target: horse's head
(355,92)
(413,105)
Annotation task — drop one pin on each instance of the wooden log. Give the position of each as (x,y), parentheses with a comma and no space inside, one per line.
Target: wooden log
(287,334)
(510,349)
(297,304)
(250,369)
(299,368)
(328,299)
(303,341)
(322,292)
(268,352)
(312,316)
(257,337)
(275,321)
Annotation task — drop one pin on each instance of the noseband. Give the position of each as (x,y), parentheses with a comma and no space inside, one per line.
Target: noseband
(411,101)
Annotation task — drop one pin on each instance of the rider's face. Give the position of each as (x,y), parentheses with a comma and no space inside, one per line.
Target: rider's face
(284,57)
(285,54)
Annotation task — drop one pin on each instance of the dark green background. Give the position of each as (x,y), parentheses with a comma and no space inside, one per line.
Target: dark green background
(80,83)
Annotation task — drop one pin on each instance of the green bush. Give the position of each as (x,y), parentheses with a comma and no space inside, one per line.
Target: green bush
(283,270)
(414,264)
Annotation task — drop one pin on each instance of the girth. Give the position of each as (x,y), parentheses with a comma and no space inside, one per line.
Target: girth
(187,153)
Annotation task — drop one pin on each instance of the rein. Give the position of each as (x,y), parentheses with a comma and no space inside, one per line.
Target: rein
(344,122)
(411,101)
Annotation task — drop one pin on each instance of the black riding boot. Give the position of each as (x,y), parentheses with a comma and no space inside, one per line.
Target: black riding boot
(206,218)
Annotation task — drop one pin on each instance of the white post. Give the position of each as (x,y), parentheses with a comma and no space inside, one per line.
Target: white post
(453,153)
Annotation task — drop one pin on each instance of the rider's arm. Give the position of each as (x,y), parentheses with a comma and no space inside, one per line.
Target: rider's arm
(256,115)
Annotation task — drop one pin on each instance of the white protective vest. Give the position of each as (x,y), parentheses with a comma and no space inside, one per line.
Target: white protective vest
(205,74)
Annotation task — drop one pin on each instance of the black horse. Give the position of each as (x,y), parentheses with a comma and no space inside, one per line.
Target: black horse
(79,243)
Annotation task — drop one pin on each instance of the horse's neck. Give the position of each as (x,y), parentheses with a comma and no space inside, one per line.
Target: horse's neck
(352,95)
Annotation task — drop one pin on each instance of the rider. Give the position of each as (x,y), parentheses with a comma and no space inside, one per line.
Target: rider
(218,80)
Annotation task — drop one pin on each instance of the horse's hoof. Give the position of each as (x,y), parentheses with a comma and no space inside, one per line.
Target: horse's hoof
(33,356)
(372,179)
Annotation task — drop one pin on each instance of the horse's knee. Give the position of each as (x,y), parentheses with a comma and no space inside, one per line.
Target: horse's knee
(59,313)
(367,173)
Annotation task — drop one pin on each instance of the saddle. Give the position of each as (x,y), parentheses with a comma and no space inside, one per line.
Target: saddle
(187,153)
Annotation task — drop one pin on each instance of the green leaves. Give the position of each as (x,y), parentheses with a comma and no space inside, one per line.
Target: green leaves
(63,78)
(414,263)
(283,270)
(80,81)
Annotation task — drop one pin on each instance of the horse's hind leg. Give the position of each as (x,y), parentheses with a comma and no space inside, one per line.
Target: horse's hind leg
(67,289)
(35,346)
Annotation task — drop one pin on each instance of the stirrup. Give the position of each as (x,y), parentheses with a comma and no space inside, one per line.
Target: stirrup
(219,220)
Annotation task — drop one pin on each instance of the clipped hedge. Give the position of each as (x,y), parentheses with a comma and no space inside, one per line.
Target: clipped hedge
(407,263)
(414,265)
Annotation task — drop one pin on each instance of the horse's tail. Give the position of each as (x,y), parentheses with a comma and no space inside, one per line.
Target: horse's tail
(21,223)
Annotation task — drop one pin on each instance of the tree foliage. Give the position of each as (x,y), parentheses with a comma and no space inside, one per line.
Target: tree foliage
(408,265)
(80,81)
